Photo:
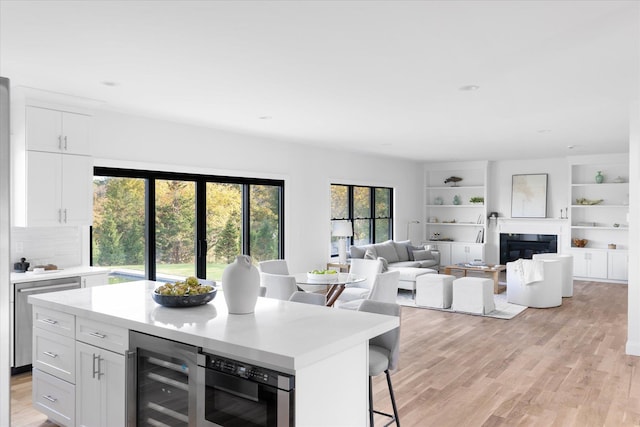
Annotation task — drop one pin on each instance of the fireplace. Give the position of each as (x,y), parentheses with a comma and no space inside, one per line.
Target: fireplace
(514,246)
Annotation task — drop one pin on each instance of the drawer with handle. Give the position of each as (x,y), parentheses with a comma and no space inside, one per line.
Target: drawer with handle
(54,354)
(102,335)
(54,397)
(54,321)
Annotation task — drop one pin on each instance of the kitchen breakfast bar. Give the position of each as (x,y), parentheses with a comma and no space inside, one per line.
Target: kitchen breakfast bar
(88,372)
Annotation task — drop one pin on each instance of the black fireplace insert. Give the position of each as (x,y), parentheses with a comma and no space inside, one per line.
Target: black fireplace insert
(516,246)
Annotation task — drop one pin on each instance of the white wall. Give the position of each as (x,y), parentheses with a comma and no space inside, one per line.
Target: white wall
(499,192)
(121,140)
(633,307)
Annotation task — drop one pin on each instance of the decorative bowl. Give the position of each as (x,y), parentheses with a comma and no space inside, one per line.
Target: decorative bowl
(580,243)
(183,300)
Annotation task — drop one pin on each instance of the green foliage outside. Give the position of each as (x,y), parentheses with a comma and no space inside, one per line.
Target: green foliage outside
(119,224)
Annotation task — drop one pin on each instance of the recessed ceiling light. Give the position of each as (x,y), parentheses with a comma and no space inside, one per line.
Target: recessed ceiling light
(469,88)
(265,117)
(571,147)
(109,83)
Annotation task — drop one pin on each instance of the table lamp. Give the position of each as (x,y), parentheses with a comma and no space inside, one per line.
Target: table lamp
(343,230)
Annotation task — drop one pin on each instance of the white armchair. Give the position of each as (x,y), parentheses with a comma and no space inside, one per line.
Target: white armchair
(567,270)
(539,294)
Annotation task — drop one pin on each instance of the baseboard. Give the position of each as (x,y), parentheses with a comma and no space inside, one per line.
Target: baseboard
(633,348)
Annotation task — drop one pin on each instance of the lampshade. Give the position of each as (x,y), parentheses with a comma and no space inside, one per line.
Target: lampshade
(342,229)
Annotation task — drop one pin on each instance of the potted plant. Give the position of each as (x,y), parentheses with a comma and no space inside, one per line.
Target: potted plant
(477,200)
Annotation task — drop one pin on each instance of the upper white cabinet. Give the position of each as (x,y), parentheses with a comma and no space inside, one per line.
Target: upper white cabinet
(57,131)
(58,189)
(52,171)
(455,211)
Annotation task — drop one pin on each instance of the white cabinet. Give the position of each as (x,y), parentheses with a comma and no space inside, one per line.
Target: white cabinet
(59,190)
(52,173)
(92,280)
(465,253)
(590,264)
(618,265)
(100,377)
(57,131)
(100,387)
(53,397)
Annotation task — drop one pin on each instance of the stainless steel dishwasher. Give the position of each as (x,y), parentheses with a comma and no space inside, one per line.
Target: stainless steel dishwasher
(23,321)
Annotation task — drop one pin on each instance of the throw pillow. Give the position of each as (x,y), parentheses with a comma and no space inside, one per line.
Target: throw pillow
(422,255)
(410,249)
(370,254)
(385,264)
(387,250)
(356,252)
(403,250)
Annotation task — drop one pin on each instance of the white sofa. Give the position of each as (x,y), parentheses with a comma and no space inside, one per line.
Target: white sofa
(411,261)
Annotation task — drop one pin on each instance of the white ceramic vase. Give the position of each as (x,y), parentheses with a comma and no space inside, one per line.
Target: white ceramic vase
(240,285)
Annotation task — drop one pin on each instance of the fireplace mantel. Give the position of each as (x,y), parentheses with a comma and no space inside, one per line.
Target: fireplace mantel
(558,226)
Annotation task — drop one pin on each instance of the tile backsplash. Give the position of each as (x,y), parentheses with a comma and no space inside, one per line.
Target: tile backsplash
(61,246)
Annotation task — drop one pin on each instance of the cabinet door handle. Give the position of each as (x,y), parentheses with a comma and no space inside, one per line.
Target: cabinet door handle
(60,215)
(59,142)
(96,371)
(65,216)
(49,321)
(49,398)
(97,335)
(65,143)
(48,353)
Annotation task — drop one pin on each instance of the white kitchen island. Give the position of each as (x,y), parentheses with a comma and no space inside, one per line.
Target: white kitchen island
(325,348)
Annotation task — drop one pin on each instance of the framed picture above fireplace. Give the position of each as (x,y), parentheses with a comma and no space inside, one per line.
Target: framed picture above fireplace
(529,196)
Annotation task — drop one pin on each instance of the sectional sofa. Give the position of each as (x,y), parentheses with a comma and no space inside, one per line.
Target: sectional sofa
(411,261)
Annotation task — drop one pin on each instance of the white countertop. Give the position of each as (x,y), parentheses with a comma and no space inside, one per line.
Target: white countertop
(30,276)
(279,334)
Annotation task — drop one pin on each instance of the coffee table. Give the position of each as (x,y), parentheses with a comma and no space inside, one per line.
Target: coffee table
(493,270)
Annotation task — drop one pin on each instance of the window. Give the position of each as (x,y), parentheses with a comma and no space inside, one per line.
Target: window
(368,208)
(167,226)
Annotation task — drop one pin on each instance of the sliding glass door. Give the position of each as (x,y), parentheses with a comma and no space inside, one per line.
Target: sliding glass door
(168,226)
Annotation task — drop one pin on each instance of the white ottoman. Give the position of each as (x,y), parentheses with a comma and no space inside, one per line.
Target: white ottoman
(408,276)
(434,290)
(473,295)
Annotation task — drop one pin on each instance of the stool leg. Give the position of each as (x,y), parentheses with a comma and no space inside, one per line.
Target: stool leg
(370,403)
(393,398)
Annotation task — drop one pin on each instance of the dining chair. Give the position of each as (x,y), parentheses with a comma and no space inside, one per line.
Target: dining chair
(278,286)
(274,266)
(367,268)
(384,352)
(384,289)
(308,298)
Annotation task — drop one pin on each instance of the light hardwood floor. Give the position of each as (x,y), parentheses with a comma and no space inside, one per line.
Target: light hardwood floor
(562,366)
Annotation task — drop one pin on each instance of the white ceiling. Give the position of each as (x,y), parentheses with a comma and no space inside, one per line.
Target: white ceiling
(376,76)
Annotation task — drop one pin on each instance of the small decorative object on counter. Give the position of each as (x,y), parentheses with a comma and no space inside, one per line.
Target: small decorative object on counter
(240,285)
(456,200)
(616,225)
(22,266)
(612,246)
(599,177)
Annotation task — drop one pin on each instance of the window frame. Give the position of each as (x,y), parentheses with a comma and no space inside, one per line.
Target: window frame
(372,211)
(200,180)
